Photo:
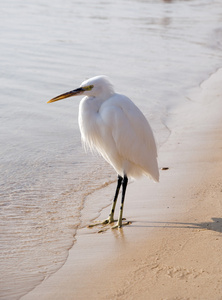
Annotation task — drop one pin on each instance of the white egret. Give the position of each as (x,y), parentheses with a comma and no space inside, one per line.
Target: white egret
(113,125)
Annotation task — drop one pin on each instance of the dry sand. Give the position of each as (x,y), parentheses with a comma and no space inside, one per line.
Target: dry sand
(172,249)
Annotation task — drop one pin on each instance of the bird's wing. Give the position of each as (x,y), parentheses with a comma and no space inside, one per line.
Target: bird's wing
(131,133)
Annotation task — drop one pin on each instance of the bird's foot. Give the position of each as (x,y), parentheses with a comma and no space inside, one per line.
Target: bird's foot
(121,224)
(104,222)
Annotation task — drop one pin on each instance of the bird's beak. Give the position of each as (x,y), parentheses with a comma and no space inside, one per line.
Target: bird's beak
(76,92)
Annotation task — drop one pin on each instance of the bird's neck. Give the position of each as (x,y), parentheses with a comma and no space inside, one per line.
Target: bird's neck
(88,107)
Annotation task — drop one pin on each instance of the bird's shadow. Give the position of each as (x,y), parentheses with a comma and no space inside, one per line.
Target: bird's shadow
(214,225)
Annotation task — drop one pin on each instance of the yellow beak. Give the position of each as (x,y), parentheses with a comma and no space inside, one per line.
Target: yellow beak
(76,92)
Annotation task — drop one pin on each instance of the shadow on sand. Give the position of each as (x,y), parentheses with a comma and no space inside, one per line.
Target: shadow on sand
(215,225)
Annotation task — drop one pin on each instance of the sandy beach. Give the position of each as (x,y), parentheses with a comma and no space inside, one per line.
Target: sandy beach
(172,249)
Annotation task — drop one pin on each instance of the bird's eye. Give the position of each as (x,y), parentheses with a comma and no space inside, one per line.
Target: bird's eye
(88,88)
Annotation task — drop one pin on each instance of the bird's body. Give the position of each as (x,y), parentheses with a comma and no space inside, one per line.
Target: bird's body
(118,130)
(113,125)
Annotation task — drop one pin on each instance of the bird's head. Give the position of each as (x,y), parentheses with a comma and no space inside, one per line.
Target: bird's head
(98,86)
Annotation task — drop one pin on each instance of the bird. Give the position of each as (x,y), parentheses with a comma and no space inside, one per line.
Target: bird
(112,125)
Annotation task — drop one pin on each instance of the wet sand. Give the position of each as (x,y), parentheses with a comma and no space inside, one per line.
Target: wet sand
(172,249)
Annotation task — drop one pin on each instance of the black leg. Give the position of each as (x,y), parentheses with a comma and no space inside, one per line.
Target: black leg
(124,185)
(119,183)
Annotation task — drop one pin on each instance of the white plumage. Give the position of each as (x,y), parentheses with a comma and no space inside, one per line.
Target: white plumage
(113,125)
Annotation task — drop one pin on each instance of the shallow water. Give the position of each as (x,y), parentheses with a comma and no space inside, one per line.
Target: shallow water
(154,51)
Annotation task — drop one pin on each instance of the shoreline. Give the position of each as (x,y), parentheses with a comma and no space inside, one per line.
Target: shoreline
(172,248)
